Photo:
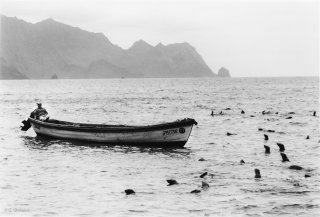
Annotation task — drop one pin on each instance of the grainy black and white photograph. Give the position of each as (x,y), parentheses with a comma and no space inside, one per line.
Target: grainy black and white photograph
(159,108)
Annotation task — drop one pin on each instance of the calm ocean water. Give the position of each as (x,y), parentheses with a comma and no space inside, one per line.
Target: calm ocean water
(54,177)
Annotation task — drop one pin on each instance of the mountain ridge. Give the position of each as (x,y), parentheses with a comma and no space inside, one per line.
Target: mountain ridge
(49,47)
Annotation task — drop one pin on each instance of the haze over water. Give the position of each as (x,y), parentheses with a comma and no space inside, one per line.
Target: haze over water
(42,177)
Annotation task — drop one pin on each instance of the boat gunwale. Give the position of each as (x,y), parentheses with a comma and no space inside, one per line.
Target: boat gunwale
(113,128)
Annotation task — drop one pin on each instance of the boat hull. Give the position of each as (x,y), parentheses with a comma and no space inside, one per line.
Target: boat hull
(174,134)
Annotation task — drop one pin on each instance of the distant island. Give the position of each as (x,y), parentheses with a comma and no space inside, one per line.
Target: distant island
(51,50)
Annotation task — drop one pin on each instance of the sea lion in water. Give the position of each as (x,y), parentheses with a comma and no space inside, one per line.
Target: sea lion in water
(267,149)
(314,113)
(196,191)
(172,182)
(281,147)
(212,113)
(257,174)
(266,137)
(308,137)
(203,174)
(288,117)
(295,167)
(284,157)
(242,112)
(266,112)
(205,186)
(202,159)
(242,162)
(129,191)
(230,134)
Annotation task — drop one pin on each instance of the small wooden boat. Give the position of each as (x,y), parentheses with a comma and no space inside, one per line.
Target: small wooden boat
(173,134)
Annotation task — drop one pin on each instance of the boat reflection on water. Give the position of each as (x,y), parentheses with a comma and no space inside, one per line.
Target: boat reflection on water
(44,143)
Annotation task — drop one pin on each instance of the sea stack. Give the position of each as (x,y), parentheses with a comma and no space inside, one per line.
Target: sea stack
(223,72)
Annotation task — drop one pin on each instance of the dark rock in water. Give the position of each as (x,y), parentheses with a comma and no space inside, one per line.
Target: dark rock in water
(308,137)
(267,149)
(129,191)
(55,76)
(212,113)
(203,174)
(172,182)
(295,167)
(277,113)
(291,113)
(227,109)
(196,191)
(260,129)
(202,159)
(284,157)
(271,131)
(242,162)
(230,134)
(266,137)
(223,72)
(307,176)
(257,174)
(288,117)
(221,113)
(314,113)
(281,147)
(205,186)
(252,116)
(242,112)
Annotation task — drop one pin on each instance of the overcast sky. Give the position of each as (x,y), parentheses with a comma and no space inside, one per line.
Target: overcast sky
(250,38)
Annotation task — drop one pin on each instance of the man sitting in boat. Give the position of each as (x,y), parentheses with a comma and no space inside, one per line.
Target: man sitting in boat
(40,113)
